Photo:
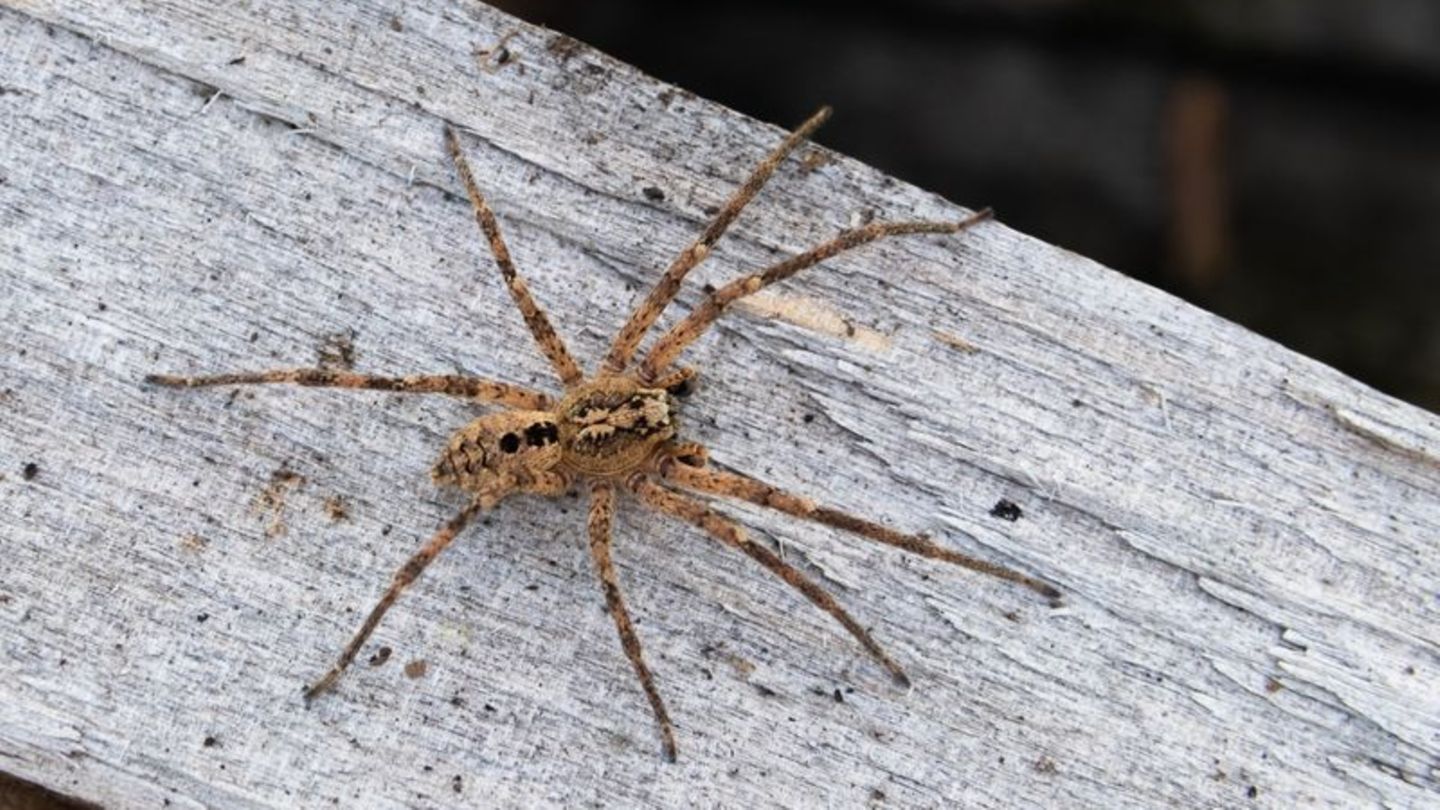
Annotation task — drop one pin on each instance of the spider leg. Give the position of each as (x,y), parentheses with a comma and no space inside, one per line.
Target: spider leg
(732,534)
(602,514)
(644,316)
(499,393)
(675,470)
(679,383)
(540,328)
(682,334)
(406,575)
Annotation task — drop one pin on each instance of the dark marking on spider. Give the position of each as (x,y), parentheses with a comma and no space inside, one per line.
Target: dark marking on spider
(541,434)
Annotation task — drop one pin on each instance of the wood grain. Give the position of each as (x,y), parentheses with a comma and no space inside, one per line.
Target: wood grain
(1246,539)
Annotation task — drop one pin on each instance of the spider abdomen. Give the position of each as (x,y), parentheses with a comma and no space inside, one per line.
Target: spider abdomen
(514,445)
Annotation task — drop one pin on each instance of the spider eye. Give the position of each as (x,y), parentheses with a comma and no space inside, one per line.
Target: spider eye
(509,442)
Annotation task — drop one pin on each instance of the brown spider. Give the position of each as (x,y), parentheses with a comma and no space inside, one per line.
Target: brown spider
(618,429)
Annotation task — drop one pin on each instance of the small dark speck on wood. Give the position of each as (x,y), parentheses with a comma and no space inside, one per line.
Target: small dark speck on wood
(1006,509)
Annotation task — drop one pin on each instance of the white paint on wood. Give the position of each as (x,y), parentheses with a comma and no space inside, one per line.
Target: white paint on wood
(1246,539)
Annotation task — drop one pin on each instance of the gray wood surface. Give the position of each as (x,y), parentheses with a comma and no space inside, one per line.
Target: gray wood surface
(1246,538)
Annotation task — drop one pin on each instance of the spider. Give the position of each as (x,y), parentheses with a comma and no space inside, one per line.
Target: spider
(619,429)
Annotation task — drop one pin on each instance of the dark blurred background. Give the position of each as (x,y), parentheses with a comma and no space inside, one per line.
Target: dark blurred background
(1273,161)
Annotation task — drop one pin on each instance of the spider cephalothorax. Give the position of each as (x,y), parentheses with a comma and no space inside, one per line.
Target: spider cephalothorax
(618,429)
(610,426)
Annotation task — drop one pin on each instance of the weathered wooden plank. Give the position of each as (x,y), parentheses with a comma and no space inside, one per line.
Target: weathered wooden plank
(1245,537)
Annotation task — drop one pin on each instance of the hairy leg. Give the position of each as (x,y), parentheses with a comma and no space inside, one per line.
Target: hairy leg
(664,292)
(710,481)
(732,534)
(406,575)
(602,514)
(550,342)
(499,393)
(682,334)
(679,383)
